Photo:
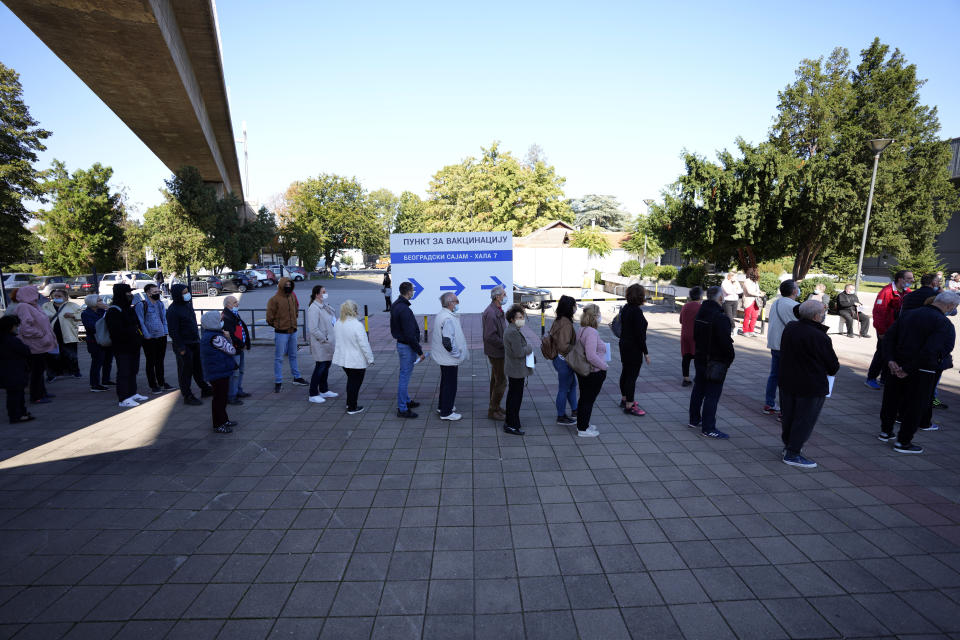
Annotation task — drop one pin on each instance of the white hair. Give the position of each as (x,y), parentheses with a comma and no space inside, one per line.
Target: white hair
(810,310)
(497,291)
(91,300)
(948,298)
(446,298)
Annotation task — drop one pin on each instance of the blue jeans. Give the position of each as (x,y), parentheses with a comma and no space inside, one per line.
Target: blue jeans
(236,380)
(407,357)
(704,399)
(568,386)
(771,398)
(318,381)
(285,344)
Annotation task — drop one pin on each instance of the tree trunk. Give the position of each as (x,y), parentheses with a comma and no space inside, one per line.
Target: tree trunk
(746,258)
(804,260)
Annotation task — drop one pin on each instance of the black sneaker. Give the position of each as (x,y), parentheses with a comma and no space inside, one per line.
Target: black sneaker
(166,387)
(156,390)
(517,431)
(406,414)
(243,394)
(109,383)
(412,404)
(277,386)
(907,448)
(231,423)
(206,393)
(235,402)
(223,428)
(798,461)
(567,420)
(300,382)
(884,437)
(77,375)
(192,400)
(354,411)
(686,383)
(98,388)
(716,435)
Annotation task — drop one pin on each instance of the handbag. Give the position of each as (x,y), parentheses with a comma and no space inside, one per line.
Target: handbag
(577,358)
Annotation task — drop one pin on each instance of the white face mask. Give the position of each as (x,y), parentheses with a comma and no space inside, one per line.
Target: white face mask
(326,295)
(519,322)
(599,319)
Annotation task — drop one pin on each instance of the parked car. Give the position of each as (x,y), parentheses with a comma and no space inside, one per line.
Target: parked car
(136,279)
(46,284)
(530,297)
(82,285)
(235,282)
(17,280)
(206,285)
(258,277)
(297,273)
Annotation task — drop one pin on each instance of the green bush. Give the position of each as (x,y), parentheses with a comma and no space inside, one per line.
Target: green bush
(597,276)
(713,280)
(776,267)
(630,268)
(667,272)
(649,270)
(36,269)
(769,283)
(691,275)
(806,287)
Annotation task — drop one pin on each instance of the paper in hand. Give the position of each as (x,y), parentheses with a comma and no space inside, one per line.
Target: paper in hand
(609,355)
(530,360)
(830,380)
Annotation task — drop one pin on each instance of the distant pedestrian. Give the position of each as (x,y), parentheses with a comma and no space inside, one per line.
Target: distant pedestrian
(633,348)
(752,301)
(448,348)
(886,309)
(590,384)
(562,336)
(14,369)
(36,333)
(850,308)
(334,269)
(586,287)
(714,355)
(321,318)
(916,348)
(516,349)
(352,352)
(494,323)
(404,329)
(732,291)
(283,314)
(101,358)
(217,358)
(806,359)
(182,323)
(820,295)
(64,318)
(236,328)
(152,315)
(386,290)
(688,314)
(125,336)
(781,313)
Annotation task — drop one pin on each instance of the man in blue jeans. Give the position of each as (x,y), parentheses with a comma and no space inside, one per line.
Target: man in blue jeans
(404,329)
(283,312)
(781,314)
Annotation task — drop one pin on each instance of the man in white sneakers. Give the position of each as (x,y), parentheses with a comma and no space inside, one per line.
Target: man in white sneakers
(448,348)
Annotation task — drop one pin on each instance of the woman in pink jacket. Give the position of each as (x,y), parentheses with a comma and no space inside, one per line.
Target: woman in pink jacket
(36,333)
(590,384)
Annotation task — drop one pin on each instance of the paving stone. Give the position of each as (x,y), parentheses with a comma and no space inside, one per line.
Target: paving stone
(601,624)
(749,619)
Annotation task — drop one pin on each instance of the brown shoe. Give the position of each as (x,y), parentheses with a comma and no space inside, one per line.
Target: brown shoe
(497,415)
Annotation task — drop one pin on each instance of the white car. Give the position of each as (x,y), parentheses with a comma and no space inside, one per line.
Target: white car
(135,279)
(17,280)
(261,276)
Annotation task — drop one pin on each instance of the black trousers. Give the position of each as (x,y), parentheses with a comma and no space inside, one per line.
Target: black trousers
(878,368)
(65,362)
(448,389)
(685,365)
(38,388)
(628,379)
(221,386)
(188,365)
(590,386)
(387,299)
(318,380)
(154,352)
(16,404)
(354,380)
(704,398)
(128,366)
(514,400)
(800,414)
(849,315)
(730,308)
(910,399)
(101,361)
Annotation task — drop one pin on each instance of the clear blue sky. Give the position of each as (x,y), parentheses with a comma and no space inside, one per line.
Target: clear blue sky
(391,92)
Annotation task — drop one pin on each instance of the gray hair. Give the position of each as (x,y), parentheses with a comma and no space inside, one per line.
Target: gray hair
(715,294)
(91,300)
(947,298)
(810,310)
(497,291)
(228,300)
(446,298)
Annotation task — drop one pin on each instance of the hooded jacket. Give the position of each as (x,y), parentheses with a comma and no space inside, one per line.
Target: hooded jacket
(711,333)
(181,320)
(283,309)
(122,322)
(14,362)
(35,329)
(216,351)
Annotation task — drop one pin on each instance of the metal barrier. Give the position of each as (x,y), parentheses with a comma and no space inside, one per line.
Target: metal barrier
(258,318)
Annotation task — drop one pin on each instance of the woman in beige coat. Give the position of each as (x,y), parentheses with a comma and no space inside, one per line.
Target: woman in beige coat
(320,320)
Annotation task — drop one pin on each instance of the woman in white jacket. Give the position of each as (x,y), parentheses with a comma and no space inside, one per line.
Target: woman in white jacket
(352,352)
(321,319)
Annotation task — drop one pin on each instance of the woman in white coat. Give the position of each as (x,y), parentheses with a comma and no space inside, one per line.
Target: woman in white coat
(321,319)
(352,352)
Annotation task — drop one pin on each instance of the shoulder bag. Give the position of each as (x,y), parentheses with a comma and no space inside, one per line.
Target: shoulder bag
(577,358)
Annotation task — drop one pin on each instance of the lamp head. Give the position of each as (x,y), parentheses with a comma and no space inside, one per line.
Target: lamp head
(879,144)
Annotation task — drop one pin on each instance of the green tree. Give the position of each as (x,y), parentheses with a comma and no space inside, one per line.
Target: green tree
(175,239)
(642,241)
(20,140)
(132,251)
(385,207)
(603,211)
(592,239)
(411,214)
(84,227)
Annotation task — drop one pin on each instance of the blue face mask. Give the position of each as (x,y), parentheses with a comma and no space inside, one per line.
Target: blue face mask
(456,308)
(235,310)
(187,297)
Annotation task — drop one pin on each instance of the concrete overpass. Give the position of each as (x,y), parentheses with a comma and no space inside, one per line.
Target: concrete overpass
(157,65)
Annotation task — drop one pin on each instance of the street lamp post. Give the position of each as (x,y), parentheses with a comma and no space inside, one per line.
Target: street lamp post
(877,146)
(643,260)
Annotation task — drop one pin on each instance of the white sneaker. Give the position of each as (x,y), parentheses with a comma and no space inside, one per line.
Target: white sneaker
(317,399)
(452,416)
(139,398)
(591,432)
(129,402)
(329,394)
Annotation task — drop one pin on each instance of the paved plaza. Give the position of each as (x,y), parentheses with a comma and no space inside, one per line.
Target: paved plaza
(306,522)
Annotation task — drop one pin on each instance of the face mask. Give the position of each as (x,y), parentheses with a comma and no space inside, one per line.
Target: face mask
(599,319)
(325,296)
(519,322)
(58,301)
(288,289)
(154,296)
(129,296)
(456,308)
(187,297)
(235,310)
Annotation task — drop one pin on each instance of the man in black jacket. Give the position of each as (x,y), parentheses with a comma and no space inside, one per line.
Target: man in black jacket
(404,329)
(126,339)
(236,328)
(929,287)
(849,308)
(916,349)
(182,325)
(806,359)
(714,354)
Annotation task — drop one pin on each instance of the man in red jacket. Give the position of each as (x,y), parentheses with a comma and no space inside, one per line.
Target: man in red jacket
(885,312)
